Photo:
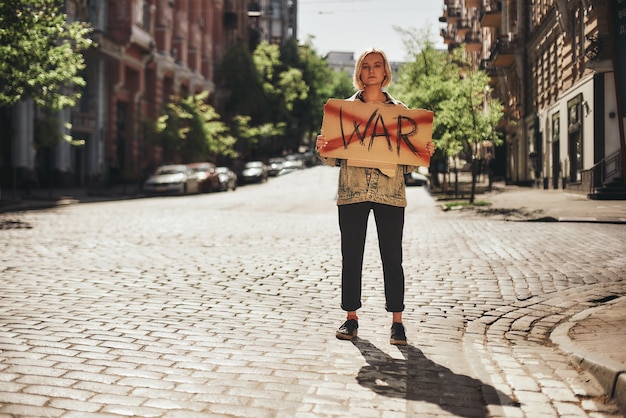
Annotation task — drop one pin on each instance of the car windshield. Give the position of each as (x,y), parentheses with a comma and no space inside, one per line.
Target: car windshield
(254,164)
(169,170)
(222,170)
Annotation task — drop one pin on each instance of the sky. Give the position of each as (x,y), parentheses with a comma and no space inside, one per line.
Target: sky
(355,25)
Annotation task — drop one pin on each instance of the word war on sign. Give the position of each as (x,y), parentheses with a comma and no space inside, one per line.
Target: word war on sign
(376,135)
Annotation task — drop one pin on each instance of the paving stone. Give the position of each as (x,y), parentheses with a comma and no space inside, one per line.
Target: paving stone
(15,410)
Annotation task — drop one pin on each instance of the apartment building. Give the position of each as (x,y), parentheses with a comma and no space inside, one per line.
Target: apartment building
(273,21)
(147,51)
(551,64)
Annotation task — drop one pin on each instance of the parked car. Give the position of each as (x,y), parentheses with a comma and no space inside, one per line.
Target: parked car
(207,175)
(172,179)
(415,178)
(254,172)
(275,165)
(291,165)
(227,179)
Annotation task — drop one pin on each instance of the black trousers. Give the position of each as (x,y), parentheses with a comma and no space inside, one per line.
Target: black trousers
(353,226)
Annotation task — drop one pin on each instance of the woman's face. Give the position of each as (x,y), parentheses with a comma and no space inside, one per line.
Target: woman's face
(373,69)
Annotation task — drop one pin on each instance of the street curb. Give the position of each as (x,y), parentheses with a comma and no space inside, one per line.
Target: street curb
(592,220)
(610,374)
(512,215)
(24,205)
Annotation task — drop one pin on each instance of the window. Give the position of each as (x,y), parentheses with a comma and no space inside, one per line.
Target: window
(574,128)
(556,149)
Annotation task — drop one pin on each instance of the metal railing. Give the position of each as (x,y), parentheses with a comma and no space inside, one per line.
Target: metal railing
(603,170)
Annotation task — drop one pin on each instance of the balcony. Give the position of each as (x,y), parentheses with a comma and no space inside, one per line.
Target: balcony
(452,46)
(599,48)
(473,46)
(491,16)
(502,53)
(493,77)
(447,36)
(485,65)
(83,122)
(254,9)
(473,42)
(454,15)
(444,16)
(140,37)
(463,28)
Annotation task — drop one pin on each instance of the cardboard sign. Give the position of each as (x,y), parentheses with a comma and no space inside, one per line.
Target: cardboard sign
(376,135)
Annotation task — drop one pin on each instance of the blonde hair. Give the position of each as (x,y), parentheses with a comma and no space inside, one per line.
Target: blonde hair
(356,79)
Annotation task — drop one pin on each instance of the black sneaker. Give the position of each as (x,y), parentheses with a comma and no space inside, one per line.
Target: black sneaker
(398,337)
(348,330)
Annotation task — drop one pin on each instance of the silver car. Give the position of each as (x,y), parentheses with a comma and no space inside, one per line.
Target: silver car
(254,172)
(172,179)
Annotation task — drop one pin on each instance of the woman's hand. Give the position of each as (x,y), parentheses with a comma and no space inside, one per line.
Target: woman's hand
(321,142)
(430,147)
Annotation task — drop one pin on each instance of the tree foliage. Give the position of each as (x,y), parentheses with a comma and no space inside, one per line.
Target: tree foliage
(275,96)
(428,81)
(323,83)
(192,129)
(469,117)
(465,112)
(41,54)
(240,85)
(284,86)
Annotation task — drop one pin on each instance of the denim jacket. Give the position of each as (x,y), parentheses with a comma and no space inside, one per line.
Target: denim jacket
(363,184)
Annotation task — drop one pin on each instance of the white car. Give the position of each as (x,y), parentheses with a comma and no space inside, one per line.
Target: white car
(172,179)
(415,178)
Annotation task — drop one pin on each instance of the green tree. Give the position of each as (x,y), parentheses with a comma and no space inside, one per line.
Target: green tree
(341,84)
(193,130)
(425,83)
(465,113)
(322,84)
(260,95)
(274,97)
(469,117)
(284,86)
(251,138)
(240,86)
(41,59)
(41,54)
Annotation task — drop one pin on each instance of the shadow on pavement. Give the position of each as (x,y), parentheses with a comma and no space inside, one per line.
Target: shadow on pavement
(417,378)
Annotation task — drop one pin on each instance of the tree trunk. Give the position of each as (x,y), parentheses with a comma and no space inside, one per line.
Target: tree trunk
(474,179)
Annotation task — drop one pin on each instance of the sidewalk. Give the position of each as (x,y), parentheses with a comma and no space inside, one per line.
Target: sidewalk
(524,203)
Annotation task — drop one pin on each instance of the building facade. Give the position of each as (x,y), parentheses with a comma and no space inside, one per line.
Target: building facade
(147,52)
(272,21)
(551,65)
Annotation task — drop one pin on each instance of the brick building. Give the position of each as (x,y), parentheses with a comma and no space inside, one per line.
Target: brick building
(551,64)
(147,51)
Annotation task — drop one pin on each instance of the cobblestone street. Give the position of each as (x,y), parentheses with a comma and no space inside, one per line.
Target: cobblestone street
(226,304)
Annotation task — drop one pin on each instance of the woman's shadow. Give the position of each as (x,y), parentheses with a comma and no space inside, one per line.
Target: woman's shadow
(417,378)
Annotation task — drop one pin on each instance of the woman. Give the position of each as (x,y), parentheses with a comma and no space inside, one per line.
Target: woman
(362,190)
